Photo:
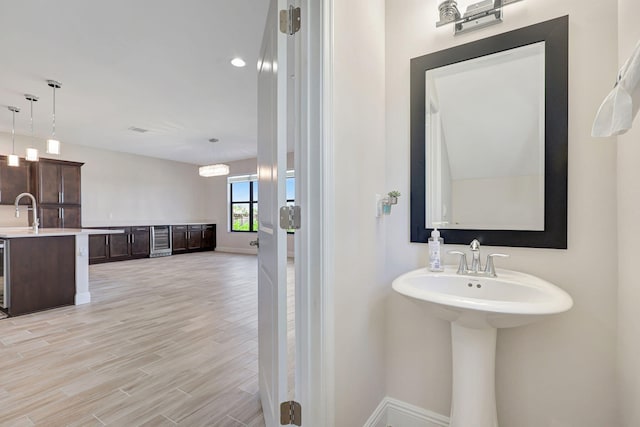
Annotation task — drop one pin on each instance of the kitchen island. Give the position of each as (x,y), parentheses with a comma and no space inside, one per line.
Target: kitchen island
(46,269)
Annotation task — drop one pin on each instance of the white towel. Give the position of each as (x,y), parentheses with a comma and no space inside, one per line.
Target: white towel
(618,109)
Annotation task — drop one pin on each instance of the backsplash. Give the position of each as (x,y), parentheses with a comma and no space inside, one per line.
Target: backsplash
(8,216)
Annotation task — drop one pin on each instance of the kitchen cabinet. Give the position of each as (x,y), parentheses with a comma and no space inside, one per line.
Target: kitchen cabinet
(140,242)
(13,181)
(56,181)
(133,243)
(194,237)
(98,248)
(120,244)
(59,216)
(208,237)
(56,186)
(38,279)
(179,238)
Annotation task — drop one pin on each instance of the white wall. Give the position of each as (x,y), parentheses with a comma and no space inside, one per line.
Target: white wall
(559,372)
(628,235)
(359,288)
(120,189)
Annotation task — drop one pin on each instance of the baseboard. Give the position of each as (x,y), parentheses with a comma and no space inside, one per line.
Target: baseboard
(82,298)
(231,250)
(246,251)
(395,413)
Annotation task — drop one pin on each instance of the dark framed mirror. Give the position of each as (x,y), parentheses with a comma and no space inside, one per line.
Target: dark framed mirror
(489,139)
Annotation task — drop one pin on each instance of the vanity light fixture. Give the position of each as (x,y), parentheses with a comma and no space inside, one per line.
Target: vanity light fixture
(13,159)
(53,145)
(478,15)
(238,62)
(218,169)
(32,153)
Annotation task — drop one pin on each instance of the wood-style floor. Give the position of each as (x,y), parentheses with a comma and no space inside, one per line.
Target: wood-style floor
(165,341)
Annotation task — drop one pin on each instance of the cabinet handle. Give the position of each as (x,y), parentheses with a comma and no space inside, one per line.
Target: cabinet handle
(133,239)
(106,240)
(202,234)
(59,197)
(62,197)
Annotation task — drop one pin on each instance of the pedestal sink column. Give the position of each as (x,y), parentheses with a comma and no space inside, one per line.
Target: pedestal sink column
(473,401)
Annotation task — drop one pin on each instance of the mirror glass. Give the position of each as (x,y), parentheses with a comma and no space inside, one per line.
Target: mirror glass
(489,139)
(485,142)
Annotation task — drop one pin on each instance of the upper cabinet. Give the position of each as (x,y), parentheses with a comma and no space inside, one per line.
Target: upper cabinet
(13,181)
(56,181)
(56,186)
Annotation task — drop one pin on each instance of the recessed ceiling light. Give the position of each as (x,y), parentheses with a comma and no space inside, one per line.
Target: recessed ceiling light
(238,62)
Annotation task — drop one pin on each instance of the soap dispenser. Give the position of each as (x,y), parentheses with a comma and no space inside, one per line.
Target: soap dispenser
(435,251)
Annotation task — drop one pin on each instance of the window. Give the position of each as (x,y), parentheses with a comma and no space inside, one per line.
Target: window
(243,200)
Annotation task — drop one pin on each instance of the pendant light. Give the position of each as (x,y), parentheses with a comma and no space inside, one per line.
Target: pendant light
(32,153)
(13,159)
(217,169)
(53,145)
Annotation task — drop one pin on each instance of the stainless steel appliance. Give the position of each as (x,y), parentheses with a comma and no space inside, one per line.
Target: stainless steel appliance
(4,273)
(160,240)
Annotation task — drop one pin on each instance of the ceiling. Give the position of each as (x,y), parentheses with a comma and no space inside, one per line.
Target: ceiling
(160,65)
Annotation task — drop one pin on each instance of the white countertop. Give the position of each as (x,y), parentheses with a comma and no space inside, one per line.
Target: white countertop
(138,223)
(17,232)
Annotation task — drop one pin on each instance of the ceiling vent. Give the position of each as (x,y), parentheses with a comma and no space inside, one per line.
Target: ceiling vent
(139,130)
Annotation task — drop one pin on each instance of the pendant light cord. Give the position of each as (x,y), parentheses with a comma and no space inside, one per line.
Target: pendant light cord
(13,134)
(54,111)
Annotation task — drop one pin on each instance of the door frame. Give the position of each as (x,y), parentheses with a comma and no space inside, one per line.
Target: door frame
(314,245)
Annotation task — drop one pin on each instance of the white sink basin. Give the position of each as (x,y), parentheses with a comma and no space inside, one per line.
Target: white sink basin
(511,299)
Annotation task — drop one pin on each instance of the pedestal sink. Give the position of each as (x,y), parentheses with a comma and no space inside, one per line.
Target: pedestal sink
(476,306)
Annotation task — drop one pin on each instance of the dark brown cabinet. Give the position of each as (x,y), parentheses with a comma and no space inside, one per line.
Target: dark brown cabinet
(191,238)
(59,216)
(179,238)
(98,248)
(119,244)
(134,242)
(38,279)
(56,184)
(13,181)
(194,237)
(140,242)
(208,237)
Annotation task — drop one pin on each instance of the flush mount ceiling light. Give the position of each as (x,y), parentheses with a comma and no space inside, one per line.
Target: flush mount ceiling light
(238,62)
(213,170)
(13,159)
(32,153)
(53,145)
(478,15)
(217,169)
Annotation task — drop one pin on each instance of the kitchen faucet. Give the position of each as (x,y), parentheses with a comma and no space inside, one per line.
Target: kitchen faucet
(476,266)
(36,221)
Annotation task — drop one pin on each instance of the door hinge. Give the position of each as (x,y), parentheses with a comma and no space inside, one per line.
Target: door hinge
(290,413)
(290,20)
(290,217)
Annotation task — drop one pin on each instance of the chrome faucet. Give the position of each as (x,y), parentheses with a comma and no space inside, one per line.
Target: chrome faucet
(476,266)
(36,221)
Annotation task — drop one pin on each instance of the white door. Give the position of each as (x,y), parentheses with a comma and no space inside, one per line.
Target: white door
(272,254)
